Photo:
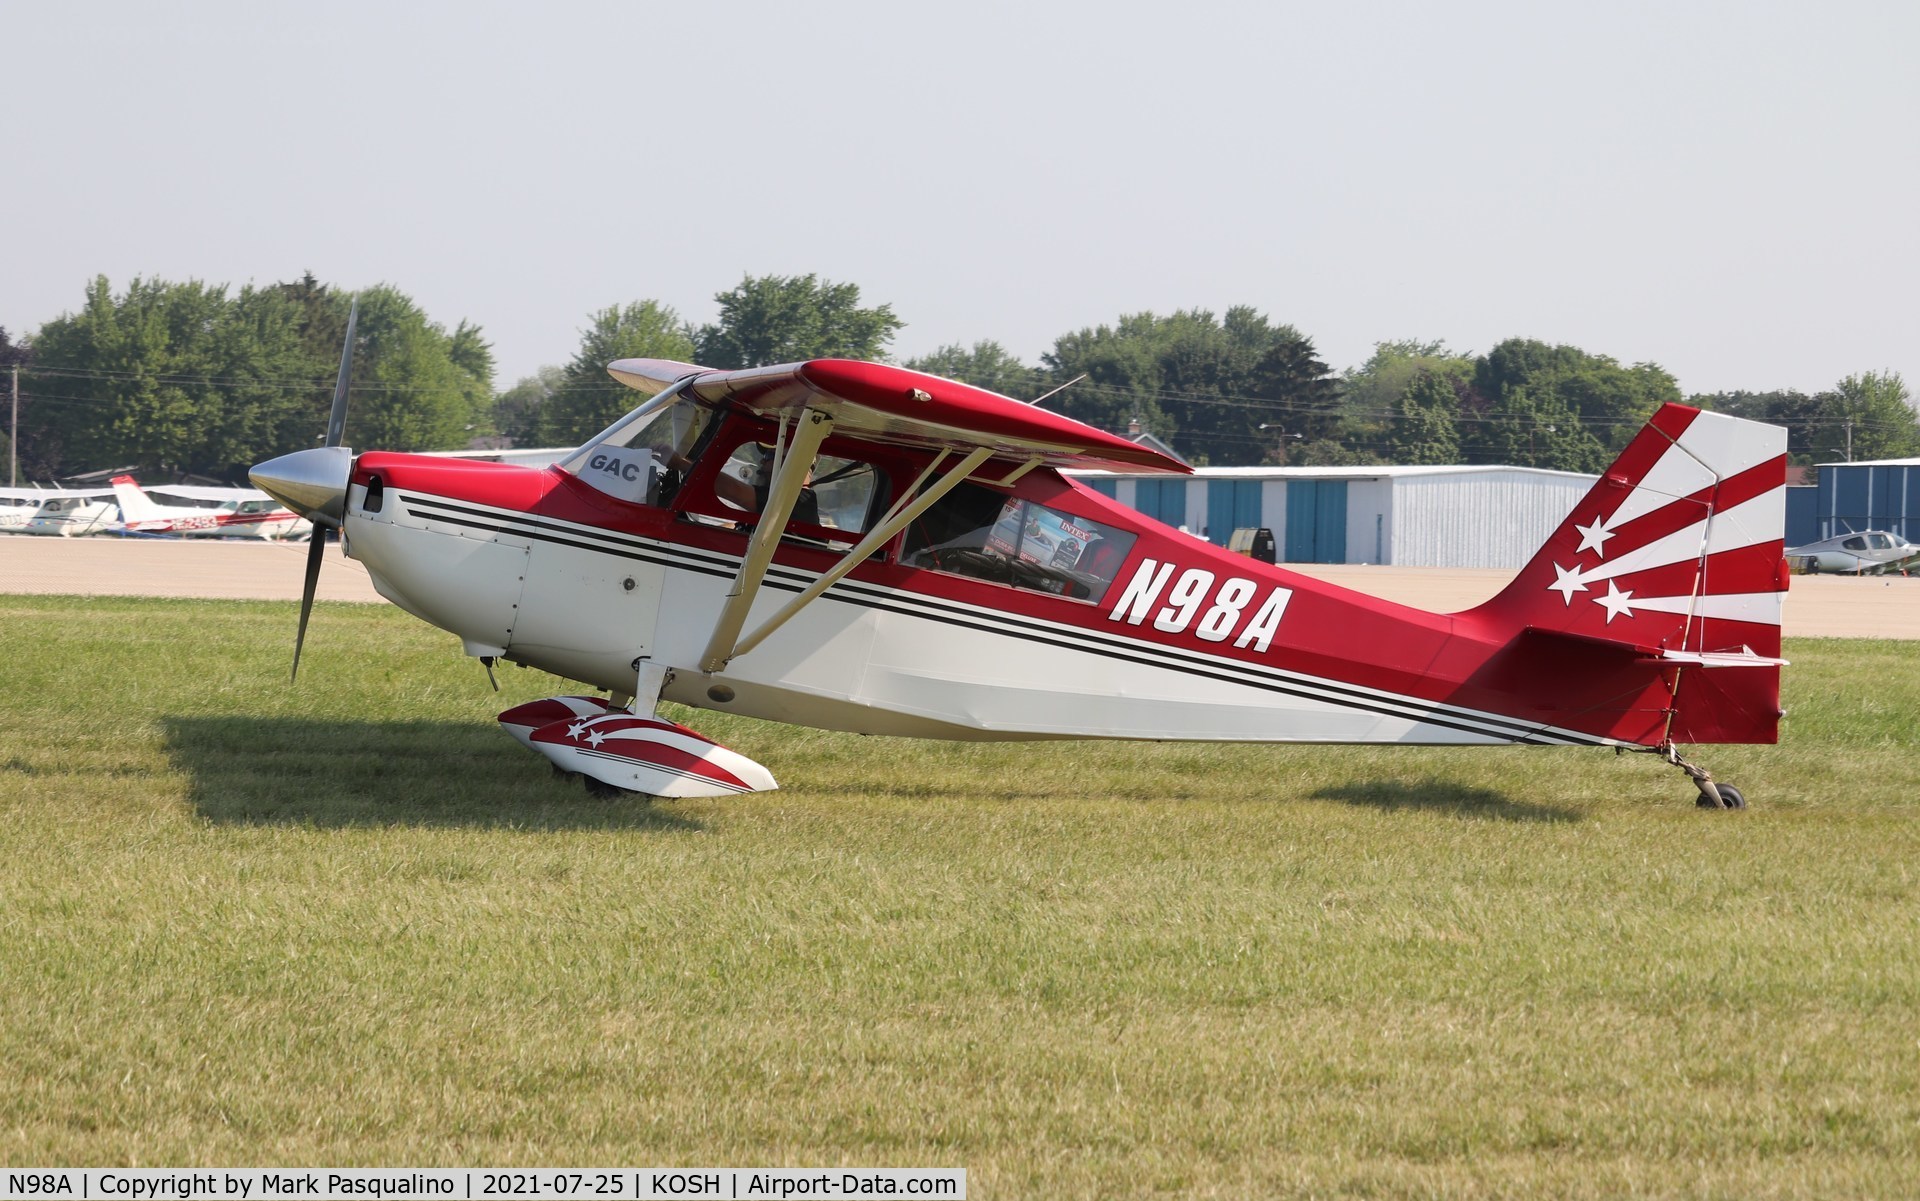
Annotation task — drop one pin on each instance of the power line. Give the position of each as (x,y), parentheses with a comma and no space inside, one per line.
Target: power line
(286,383)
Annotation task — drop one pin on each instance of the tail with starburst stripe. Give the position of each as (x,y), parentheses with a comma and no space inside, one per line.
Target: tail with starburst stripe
(1676,557)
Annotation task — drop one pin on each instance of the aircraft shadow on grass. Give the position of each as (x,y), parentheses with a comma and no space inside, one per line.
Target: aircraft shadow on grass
(1443,796)
(278,771)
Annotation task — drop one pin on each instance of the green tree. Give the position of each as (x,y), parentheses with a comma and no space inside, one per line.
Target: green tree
(120,382)
(517,411)
(473,356)
(1529,429)
(1121,363)
(587,399)
(1330,452)
(1371,394)
(791,318)
(984,365)
(1558,406)
(1221,391)
(259,352)
(182,376)
(1426,430)
(409,393)
(1867,416)
(13,354)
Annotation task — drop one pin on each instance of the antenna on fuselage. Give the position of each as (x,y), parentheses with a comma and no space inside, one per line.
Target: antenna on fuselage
(1062,388)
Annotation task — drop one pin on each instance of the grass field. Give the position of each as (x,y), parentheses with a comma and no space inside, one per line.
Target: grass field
(353,923)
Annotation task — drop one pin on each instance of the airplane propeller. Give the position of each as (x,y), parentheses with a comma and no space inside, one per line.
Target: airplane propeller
(313,483)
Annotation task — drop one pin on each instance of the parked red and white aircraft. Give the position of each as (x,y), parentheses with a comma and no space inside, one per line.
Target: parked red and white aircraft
(855,546)
(235,513)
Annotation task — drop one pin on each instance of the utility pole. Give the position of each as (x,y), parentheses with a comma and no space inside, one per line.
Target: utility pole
(13,434)
(1849,439)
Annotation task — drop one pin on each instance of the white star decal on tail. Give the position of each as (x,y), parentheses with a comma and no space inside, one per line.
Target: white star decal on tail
(1594,537)
(1615,602)
(1567,583)
(597,737)
(574,730)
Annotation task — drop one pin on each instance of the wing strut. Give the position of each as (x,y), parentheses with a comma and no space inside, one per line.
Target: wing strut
(790,475)
(904,510)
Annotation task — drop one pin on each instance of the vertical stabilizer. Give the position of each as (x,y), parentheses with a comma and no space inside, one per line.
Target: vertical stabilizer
(1677,551)
(135,505)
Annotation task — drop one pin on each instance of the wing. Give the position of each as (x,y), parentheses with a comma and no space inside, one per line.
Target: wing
(905,408)
(52,493)
(206,492)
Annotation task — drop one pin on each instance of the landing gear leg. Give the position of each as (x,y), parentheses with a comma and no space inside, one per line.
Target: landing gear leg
(1712,795)
(649,679)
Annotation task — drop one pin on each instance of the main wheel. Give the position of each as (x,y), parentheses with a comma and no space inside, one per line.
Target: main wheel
(613,792)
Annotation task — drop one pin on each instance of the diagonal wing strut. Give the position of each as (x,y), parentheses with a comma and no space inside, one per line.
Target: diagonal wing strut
(726,643)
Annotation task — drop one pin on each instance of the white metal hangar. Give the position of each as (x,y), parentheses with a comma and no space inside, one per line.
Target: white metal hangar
(1411,516)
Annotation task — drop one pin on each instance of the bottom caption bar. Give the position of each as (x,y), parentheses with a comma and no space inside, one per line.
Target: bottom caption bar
(478,1184)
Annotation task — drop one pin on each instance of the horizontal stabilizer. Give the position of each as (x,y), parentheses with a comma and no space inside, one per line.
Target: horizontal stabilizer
(1744,657)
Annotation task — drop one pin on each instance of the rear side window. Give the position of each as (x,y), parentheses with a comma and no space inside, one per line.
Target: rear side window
(988,535)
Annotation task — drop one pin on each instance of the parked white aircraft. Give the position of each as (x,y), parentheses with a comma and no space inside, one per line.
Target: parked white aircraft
(18,505)
(69,513)
(1867,552)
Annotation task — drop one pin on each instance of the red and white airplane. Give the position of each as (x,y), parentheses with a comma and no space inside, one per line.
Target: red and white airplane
(855,546)
(236,513)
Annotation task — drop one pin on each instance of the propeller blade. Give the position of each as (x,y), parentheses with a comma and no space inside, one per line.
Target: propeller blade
(336,430)
(316,551)
(337,419)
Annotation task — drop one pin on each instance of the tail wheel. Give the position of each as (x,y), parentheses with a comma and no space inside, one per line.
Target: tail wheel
(1730,798)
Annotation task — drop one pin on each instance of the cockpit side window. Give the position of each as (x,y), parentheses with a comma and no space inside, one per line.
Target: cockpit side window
(841,499)
(839,493)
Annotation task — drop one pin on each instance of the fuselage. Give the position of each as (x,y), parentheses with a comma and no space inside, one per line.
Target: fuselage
(230,521)
(72,517)
(1181,641)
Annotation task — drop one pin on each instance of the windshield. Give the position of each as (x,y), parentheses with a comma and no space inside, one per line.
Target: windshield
(637,458)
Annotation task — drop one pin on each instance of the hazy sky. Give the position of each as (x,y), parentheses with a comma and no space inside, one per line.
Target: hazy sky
(1730,189)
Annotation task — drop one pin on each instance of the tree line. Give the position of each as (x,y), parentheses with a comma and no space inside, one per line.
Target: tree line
(195,378)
